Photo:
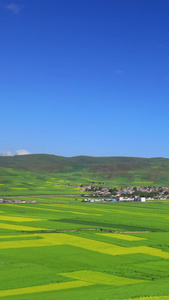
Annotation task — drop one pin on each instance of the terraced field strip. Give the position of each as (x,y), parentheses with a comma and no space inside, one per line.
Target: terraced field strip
(73,207)
(122,236)
(58,210)
(144,214)
(17,236)
(29,243)
(89,244)
(107,248)
(70,211)
(18,188)
(44,288)
(18,219)
(19,227)
(101,278)
(111,210)
(148,298)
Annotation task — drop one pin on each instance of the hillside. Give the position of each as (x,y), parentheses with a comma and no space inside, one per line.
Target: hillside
(40,173)
(52,163)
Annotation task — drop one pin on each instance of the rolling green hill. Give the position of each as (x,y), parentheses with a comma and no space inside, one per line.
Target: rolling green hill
(40,173)
(52,163)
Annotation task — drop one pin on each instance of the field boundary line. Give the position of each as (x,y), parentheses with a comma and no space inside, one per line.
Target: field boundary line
(94,229)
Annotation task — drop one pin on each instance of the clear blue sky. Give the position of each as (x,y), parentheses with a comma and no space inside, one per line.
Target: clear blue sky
(85,77)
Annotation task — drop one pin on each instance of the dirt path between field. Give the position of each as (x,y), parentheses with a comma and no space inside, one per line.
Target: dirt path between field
(92,229)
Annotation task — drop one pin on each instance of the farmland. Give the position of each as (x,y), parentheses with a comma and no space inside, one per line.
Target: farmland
(41,258)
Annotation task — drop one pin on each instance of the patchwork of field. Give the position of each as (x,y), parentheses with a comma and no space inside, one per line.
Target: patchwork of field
(41,258)
(21,182)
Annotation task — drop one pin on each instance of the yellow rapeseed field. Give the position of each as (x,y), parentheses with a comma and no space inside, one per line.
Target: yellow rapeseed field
(89,244)
(103,247)
(58,210)
(18,188)
(73,207)
(111,249)
(18,219)
(44,288)
(121,236)
(17,236)
(101,278)
(19,227)
(150,298)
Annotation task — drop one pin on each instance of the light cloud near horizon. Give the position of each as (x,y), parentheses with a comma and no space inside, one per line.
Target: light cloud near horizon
(6,153)
(18,152)
(22,152)
(13,7)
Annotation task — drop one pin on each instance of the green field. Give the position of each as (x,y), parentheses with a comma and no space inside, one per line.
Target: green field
(20,182)
(37,262)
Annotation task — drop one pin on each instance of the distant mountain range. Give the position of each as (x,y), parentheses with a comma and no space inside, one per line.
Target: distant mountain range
(116,170)
(52,163)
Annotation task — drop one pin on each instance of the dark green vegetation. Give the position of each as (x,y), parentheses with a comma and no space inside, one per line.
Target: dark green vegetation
(138,263)
(38,173)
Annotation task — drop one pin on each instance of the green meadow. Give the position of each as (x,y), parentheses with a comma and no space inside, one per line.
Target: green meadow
(41,258)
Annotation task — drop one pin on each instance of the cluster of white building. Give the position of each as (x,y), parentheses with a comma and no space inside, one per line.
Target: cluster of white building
(118,199)
(135,199)
(16,201)
(99,200)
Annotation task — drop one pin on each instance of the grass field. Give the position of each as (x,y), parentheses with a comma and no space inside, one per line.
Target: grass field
(36,262)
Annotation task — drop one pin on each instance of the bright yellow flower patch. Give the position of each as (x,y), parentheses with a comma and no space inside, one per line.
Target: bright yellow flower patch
(101,278)
(17,219)
(77,208)
(44,288)
(18,188)
(58,210)
(151,298)
(66,239)
(121,236)
(19,227)
(17,236)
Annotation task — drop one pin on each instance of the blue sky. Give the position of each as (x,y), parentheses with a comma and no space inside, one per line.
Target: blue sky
(85,77)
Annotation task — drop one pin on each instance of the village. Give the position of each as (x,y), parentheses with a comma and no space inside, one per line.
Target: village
(132,193)
(97,189)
